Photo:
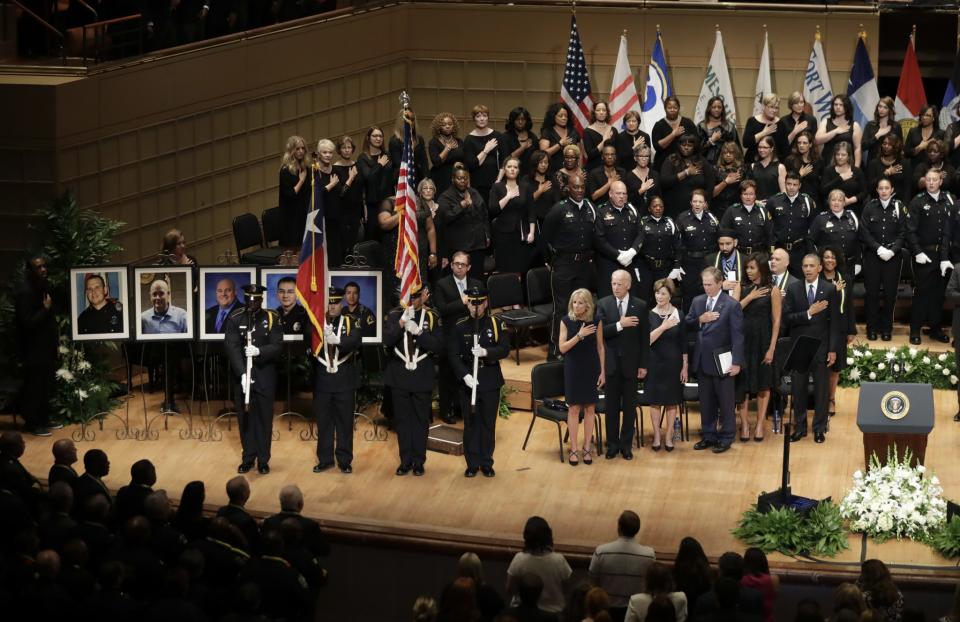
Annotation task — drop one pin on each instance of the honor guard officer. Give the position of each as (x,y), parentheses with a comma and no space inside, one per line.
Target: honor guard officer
(363,318)
(882,231)
(699,230)
(253,339)
(480,419)
(570,231)
(838,228)
(335,382)
(749,220)
(928,235)
(412,337)
(619,236)
(791,212)
(660,252)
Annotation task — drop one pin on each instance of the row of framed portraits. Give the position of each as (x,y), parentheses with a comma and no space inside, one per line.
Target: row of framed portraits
(167,305)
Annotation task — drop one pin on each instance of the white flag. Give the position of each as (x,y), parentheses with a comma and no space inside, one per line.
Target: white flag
(764,84)
(717,83)
(817,91)
(623,92)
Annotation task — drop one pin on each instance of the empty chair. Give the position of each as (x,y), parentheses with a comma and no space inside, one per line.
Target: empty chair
(270,218)
(505,290)
(247,235)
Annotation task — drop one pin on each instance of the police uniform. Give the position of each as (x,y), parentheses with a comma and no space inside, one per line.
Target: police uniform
(841,232)
(295,321)
(790,224)
(698,240)
(334,385)
(106,319)
(256,419)
(363,320)
(752,226)
(928,232)
(660,253)
(410,376)
(479,426)
(882,225)
(617,230)
(570,231)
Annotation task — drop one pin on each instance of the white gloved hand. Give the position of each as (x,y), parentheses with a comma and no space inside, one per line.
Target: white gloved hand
(945,266)
(243,379)
(676,274)
(921,258)
(885,253)
(856,269)
(478,351)
(412,327)
(251,351)
(625,258)
(470,381)
(332,338)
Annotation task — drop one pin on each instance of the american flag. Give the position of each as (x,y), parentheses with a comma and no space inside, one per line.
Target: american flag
(312,273)
(407,262)
(576,92)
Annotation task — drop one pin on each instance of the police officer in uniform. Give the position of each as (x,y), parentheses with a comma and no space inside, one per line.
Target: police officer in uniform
(480,423)
(334,385)
(266,334)
(882,231)
(292,314)
(660,255)
(928,236)
(569,230)
(619,237)
(103,313)
(412,337)
(838,228)
(791,212)
(699,230)
(363,318)
(749,221)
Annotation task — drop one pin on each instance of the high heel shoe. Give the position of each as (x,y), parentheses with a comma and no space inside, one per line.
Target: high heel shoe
(655,446)
(587,457)
(572,458)
(669,448)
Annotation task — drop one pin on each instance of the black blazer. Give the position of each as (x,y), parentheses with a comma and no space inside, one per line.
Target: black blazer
(448,303)
(626,350)
(825,326)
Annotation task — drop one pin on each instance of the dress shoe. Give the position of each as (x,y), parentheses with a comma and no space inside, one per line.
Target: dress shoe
(796,436)
(403,469)
(55,426)
(470,472)
(819,437)
(418,470)
(323,466)
(872,335)
(245,467)
(263,469)
(956,417)
(704,444)
(488,471)
(39,432)
(611,454)
(939,336)
(886,337)
(628,455)
(346,469)
(915,339)
(719,449)
(669,448)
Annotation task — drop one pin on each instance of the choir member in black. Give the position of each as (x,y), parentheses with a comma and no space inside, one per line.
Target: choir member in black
(569,231)
(514,222)
(935,159)
(600,178)
(843,175)
(951,135)
(326,183)
(699,229)
(660,249)
(682,173)
(412,337)
(835,271)
(920,137)
(389,220)
(762,125)
(883,233)
(791,213)
(445,149)
(556,134)
(451,304)
(519,141)
(839,228)
(715,131)
(294,193)
(335,381)
(545,193)
(265,332)
(482,337)
(668,369)
(363,318)
(727,175)
(629,139)
(428,234)
(884,123)
(767,170)
(794,123)
(761,303)
(374,165)
(572,160)
(598,135)
(37,341)
(749,221)
(666,131)
(643,183)
(484,151)
(351,193)
(804,160)
(466,226)
(839,127)
(928,236)
(395,151)
(889,163)
(619,238)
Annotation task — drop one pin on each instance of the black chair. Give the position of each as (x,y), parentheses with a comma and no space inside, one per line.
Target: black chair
(539,297)
(270,219)
(546,382)
(247,235)
(505,290)
(369,253)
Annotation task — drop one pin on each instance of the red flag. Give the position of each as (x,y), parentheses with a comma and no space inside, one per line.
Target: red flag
(910,95)
(312,273)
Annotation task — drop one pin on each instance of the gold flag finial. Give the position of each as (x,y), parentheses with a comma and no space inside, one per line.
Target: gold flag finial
(816,35)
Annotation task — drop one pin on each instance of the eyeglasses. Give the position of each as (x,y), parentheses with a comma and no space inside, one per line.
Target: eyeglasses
(461,264)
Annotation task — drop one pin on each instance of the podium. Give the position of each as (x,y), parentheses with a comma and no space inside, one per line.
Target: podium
(891,413)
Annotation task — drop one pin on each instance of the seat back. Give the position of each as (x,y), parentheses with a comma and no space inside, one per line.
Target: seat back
(370,253)
(538,286)
(270,218)
(246,232)
(546,381)
(504,290)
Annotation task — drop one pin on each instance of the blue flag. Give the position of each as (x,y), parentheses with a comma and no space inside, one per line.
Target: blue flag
(862,86)
(948,110)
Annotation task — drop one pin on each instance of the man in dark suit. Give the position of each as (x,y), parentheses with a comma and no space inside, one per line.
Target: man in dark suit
(96,466)
(626,338)
(238,493)
(216,316)
(291,507)
(812,308)
(718,321)
(130,498)
(451,303)
(64,457)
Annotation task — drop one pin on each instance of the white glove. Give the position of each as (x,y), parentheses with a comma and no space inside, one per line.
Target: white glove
(243,380)
(921,258)
(412,327)
(625,258)
(408,313)
(856,269)
(675,275)
(251,351)
(885,253)
(478,351)
(945,266)
(470,381)
(331,337)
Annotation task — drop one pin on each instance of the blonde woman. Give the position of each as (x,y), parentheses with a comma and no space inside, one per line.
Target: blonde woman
(581,343)
(294,192)
(327,187)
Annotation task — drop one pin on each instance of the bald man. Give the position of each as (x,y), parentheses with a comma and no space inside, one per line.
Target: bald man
(619,238)
(780,269)
(64,457)
(162,316)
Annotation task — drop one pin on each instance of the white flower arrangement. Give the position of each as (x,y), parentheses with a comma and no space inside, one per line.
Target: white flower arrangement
(80,392)
(903,364)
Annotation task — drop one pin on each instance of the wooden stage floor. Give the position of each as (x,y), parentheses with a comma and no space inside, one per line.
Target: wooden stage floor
(676,494)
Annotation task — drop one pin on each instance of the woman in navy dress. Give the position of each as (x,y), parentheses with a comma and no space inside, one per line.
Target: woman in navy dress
(581,343)
(667,370)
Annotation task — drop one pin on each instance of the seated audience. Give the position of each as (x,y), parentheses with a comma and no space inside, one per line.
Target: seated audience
(539,558)
(659,585)
(619,566)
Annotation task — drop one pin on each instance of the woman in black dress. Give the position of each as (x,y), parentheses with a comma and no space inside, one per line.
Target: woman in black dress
(727,175)
(763,125)
(598,135)
(571,166)
(761,327)
(374,165)
(920,137)
(667,370)
(556,134)
(715,131)
(428,240)
(804,160)
(465,227)
(795,123)
(629,139)
(682,173)
(326,183)
(351,193)
(839,127)
(843,175)
(936,151)
(544,194)
(484,151)
(514,222)
(884,123)
(643,183)
(294,193)
(836,271)
(889,163)
(667,131)
(445,149)
(519,139)
(581,344)
(600,178)
(767,170)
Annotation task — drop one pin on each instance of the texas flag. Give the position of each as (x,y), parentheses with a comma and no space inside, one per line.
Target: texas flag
(312,273)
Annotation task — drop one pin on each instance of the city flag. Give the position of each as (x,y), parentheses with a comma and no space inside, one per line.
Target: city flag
(576,92)
(951,97)
(312,273)
(658,89)
(910,95)
(716,83)
(407,261)
(862,85)
(817,91)
(764,83)
(623,92)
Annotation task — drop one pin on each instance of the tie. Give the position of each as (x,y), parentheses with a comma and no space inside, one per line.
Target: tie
(709,304)
(776,280)
(620,307)
(811,294)
(460,286)
(220,318)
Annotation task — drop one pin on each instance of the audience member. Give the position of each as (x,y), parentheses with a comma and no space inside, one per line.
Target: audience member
(757,576)
(57,526)
(190,519)
(619,567)
(529,589)
(489,601)
(660,585)
(96,466)
(424,609)
(661,610)
(291,506)
(238,493)
(597,606)
(459,602)
(129,502)
(879,591)
(691,570)
(64,457)
(168,542)
(848,596)
(749,601)
(808,610)
(283,589)
(538,557)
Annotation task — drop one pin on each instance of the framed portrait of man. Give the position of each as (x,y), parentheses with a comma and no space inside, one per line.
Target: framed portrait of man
(163,303)
(281,296)
(98,303)
(221,294)
(362,300)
